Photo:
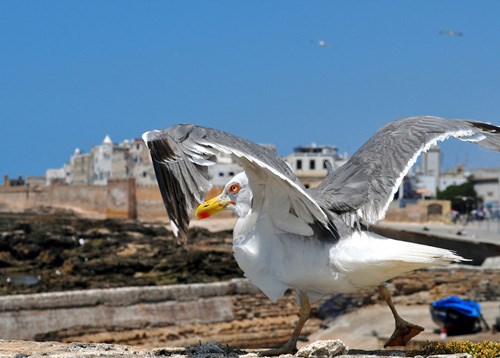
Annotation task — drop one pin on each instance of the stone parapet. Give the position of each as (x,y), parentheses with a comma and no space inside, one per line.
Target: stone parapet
(124,296)
(31,316)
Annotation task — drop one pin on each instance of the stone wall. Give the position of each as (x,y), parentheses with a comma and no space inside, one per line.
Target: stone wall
(149,203)
(20,198)
(80,198)
(33,316)
(115,200)
(120,198)
(123,198)
(422,211)
(180,312)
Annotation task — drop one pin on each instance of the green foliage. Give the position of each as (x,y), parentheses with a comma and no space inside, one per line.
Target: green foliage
(484,349)
(453,191)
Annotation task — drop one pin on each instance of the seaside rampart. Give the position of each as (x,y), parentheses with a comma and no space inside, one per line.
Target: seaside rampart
(120,198)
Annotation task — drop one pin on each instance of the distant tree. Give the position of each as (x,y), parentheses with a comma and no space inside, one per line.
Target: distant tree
(454,191)
(463,197)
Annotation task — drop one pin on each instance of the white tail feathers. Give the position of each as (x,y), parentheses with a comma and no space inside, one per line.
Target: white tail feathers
(369,259)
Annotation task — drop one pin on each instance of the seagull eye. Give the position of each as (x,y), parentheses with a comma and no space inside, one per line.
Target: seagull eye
(234,188)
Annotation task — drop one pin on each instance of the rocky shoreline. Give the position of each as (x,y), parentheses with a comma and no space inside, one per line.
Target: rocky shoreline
(319,349)
(59,251)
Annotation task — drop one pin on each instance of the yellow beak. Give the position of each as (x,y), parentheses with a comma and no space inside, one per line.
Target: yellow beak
(211,207)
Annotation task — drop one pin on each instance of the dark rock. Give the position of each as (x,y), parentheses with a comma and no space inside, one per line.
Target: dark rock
(6,259)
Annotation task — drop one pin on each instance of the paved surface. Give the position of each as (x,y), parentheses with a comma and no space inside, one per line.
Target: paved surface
(369,327)
(485,231)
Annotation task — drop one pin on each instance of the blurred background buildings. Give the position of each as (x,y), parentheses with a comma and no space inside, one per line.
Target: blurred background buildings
(130,159)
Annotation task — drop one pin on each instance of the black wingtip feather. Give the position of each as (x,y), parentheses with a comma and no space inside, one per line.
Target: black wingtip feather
(485,127)
(172,198)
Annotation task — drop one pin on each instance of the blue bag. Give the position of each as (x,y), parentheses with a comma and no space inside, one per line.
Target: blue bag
(456,315)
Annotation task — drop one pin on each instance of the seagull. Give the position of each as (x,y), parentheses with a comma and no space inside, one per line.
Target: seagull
(320,43)
(314,240)
(451,33)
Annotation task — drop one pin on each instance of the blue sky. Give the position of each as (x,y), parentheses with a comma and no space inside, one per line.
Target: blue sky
(73,71)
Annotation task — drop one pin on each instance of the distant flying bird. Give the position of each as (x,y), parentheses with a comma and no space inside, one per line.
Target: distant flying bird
(320,43)
(313,240)
(451,33)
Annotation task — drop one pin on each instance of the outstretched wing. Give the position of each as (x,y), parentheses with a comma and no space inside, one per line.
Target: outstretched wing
(366,184)
(182,153)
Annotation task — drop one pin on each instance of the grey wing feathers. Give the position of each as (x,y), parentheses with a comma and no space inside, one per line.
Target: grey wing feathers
(180,158)
(366,184)
(180,189)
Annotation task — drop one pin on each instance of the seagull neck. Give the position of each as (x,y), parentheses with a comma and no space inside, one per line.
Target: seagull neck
(242,210)
(245,223)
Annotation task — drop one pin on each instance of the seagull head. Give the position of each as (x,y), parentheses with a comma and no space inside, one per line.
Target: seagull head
(236,196)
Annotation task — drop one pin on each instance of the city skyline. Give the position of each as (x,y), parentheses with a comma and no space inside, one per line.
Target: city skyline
(282,155)
(345,155)
(330,72)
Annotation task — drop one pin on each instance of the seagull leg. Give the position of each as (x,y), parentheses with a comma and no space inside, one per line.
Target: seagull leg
(290,347)
(404,330)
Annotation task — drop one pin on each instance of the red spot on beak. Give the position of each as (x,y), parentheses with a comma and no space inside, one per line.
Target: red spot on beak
(203,215)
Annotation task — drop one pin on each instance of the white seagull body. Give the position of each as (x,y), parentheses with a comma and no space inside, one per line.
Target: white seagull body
(276,262)
(313,240)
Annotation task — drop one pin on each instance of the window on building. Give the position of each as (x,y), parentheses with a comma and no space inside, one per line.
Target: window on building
(325,164)
(312,164)
(221,174)
(231,174)
(299,164)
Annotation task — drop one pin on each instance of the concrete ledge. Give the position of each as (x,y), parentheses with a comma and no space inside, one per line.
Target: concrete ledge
(125,296)
(29,324)
(30,316)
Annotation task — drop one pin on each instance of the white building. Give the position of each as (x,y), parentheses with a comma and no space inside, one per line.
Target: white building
(310,163)
(425,186)
(454,176)
(101,161)
(487,185)
(58,175)
(140,163)
(428,175)
(431,161)
(219,174)
(80,168)
(128,159)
